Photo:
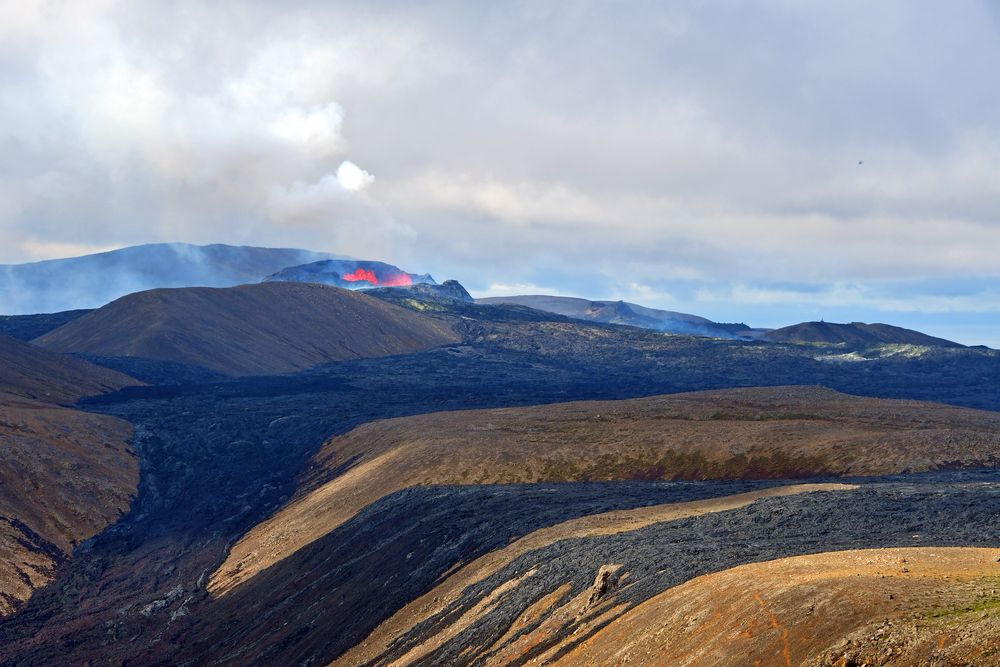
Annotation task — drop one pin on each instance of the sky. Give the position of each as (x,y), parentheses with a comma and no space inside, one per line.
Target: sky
(759,161)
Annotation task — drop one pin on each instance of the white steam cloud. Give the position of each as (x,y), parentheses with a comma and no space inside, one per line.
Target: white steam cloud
(352,177)
(113,137)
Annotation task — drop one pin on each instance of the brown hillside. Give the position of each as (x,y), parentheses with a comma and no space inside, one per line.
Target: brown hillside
(909,606)
(31,372)
(739,433)
(251,329)
(65,475)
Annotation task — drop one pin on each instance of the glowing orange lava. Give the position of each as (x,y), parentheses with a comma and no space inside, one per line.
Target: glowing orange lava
(398,280)
(368,276)
(362,275)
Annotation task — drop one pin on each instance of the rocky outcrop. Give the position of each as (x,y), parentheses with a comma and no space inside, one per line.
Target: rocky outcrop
(421,296)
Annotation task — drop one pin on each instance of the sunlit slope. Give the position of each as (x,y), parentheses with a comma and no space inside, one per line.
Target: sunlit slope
(729,434)
(901,606)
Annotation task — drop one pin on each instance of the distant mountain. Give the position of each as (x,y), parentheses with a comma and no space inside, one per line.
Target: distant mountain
(350,274)
(621,312)
(855,333)
(267,328)
(94,280)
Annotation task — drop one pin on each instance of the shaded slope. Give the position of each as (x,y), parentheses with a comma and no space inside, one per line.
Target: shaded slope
(620,312)
(853,334)
(94,280)
(30,327)
(251,329)
(732,434)
(30,372)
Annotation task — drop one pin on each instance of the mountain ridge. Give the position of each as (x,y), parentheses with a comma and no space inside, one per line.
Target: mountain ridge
(265,328)
(854,333)
(623,312)
(91,281)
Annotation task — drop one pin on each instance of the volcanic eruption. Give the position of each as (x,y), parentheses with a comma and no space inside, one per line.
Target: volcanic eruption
(352,274)
(389,279)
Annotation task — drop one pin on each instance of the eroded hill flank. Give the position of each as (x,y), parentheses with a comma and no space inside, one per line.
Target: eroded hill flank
(251,329)
(729,434)
(65,475)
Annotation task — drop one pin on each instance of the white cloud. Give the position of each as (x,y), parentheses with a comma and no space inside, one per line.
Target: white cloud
(691,150)
(315,131)
(133,124)
(352,177)
(37,251)
(847,296)
(516,289)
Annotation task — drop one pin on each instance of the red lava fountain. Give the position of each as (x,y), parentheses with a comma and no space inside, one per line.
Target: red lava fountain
(359,275)
(398,280)
(367,275)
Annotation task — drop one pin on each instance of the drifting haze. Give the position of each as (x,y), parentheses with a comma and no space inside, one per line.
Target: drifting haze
(768,162)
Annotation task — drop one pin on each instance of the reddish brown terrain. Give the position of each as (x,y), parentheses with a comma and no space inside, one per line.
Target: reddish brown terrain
(904,606)
(260,329)
(65,475)
(731,434)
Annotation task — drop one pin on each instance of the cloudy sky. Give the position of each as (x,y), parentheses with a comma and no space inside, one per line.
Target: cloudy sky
(766,162)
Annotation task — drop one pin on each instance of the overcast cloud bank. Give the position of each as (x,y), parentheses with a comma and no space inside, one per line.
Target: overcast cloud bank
(766,162)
